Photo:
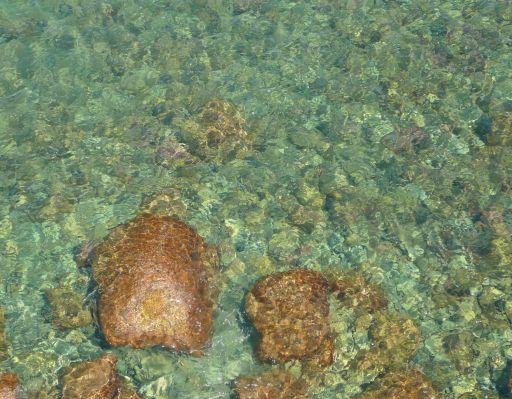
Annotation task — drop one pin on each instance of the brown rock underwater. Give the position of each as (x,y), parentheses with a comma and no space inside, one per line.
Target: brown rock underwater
(155,276)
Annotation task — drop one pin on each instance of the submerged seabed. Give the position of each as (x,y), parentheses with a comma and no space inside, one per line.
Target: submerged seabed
(381,140)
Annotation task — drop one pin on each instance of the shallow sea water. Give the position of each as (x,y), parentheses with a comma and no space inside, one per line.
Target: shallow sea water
(380,140)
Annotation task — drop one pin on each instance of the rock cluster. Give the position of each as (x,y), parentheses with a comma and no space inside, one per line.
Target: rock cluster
(396,339)
(275,384)
(155,277)
(290,311)
(96,379)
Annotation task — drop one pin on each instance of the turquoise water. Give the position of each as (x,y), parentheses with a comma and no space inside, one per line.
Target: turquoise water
(378,138)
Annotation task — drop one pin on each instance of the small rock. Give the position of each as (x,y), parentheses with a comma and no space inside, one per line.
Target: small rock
(291,313)
(410,384)
(67,308)
(156,283)
(216,132)
(9,386)
(354,291)
(275,384)
(96,379)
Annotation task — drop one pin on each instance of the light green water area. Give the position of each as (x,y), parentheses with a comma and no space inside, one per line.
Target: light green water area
(376,137)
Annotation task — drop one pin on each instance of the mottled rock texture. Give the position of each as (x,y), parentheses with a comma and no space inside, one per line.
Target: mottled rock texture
(96,379)
(291,314)
(410,384)
(9,386)
(155,276)
(275,384)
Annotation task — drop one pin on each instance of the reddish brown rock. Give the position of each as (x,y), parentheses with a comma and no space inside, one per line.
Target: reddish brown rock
(155,277)
(9,386)
(409,384)
(291,313)
(275,384)
(96,379)
(354,291)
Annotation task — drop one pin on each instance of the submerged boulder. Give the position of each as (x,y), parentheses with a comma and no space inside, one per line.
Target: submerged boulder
(96,379)
(9,386)
(290,311)
(275,384)
(155,276)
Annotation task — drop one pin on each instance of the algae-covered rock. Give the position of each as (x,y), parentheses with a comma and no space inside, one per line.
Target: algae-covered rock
(275,384)
(409,384)
(96,379)
(290,311)
(155,276)
(396,339)
(3,339)
(216,132)
(9,386)
(68,308)
(354,291)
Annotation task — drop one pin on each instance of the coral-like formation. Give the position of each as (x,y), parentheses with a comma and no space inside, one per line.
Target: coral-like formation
(275,384)
(9,386)
(354,291)
(217,131)
(155,276)
(68,308)
(93,379)
(396,339)
(3,339)
(408,384)
(291,313)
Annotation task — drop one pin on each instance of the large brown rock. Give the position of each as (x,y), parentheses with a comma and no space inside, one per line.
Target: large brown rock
(155,277)
(9,386)
(290,310)
(96,379)
(275,384)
